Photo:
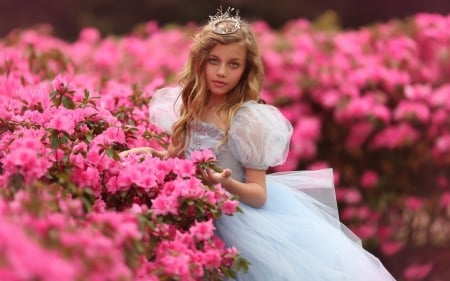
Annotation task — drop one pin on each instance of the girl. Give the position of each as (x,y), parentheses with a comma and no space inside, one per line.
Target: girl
(289,228)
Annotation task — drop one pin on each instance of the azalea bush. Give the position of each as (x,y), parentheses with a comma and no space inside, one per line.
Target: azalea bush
(371,103)
(71,209)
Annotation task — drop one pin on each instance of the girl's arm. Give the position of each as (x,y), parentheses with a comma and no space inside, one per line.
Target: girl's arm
(163,154)
(252,192)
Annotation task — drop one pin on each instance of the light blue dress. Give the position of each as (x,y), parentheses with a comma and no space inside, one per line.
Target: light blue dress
(297,234)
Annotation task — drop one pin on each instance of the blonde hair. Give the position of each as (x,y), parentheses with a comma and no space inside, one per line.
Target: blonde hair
(194,94)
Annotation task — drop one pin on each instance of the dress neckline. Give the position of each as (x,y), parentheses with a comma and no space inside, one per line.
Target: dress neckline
(210,125)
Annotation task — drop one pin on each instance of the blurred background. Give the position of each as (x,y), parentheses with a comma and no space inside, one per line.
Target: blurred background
(67,17)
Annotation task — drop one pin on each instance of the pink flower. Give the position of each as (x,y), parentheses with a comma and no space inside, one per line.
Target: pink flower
(229,207)
(414,203)
(395,136)
(89,35)
(183,168)
(441,97)
(191,188)
(418,271)
(418,92)
(445,200)
(202,156)
(59,83)
(407,110)
(443,182)
(211,258)
(442,144)
(307,128)
(174,258)
(348,213)
(365,231)
(369,179)
(349,195)
(359,133)
(391,248)
(165,204)
(202,230)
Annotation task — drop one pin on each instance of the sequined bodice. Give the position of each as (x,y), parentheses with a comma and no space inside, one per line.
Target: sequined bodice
(208,136)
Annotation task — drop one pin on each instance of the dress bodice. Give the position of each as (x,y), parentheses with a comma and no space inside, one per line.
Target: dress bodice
(207,136)
(258,136)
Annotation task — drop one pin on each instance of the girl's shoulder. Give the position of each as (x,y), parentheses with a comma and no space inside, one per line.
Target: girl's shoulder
(260,112)
(165,107)
(259,135)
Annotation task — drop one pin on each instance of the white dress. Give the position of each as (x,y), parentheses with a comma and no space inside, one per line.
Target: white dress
(297,234)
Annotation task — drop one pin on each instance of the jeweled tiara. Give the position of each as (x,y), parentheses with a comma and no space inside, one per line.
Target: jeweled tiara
(224,22)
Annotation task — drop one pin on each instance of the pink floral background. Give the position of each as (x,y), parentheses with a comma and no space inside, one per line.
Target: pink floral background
(371,103)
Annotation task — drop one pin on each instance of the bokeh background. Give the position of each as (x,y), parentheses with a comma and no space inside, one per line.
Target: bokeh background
(116,17)
(66,18)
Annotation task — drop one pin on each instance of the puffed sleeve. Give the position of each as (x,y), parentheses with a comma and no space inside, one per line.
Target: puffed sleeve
(165,108)
(259,136)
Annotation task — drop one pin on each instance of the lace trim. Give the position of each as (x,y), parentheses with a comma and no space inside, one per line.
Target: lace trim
(210,130)
(205,129)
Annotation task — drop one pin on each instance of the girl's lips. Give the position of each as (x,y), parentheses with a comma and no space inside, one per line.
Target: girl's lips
(218,83)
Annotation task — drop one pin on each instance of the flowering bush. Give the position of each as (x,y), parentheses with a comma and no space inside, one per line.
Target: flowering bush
(372,103)
(71,209)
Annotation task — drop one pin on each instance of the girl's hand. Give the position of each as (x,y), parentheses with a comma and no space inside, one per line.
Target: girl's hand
(217,177)
(137,150)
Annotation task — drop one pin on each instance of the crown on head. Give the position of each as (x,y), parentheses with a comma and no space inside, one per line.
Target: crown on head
(224,22)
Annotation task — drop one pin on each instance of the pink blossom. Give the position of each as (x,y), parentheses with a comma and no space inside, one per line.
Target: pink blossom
(202,156)
(317,165)
(418,271)
(165,204)
(174,258)
(29,260)
(329,98)
(59,83)
(349,195)
(369,179)
(395,136)
(359,133)
(202,230)
(89,177)
(348,213)
(303,149)
(407,110)
(441,97)
(365,231)
(229,207)
(191,188)
(211,258)
(184,168)
(26,161)
(442,144)
(418,92)
(443,182)
(307,128)
(89,35)
(391,248)
(445,200)
(414,203)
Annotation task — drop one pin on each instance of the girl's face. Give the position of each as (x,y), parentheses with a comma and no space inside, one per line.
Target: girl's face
(224,67)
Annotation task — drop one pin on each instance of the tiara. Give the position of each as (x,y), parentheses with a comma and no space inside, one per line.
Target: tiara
(224,23)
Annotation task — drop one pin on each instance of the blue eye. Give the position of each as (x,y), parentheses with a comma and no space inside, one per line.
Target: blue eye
(213,61)
(234,64)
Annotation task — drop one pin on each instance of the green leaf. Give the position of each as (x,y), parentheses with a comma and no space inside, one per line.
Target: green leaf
(68,102)
(112,154)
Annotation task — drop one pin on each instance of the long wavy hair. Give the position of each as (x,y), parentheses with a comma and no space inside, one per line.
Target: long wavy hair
(194,93)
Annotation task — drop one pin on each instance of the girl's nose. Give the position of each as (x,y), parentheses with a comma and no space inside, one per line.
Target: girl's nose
(221,71)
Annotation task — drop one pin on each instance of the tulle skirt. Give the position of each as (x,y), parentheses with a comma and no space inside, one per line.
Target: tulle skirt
(297,234)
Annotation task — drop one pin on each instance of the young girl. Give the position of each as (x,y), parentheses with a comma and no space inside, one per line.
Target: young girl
(289,228)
